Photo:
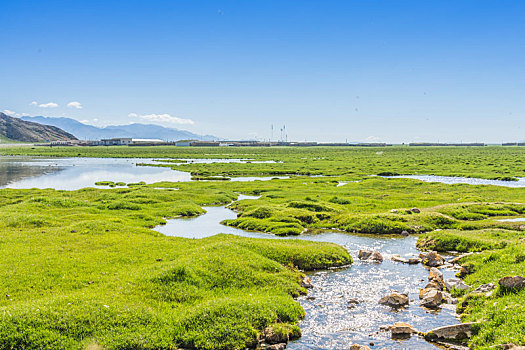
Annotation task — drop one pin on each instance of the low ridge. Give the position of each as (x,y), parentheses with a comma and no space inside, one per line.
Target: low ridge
(19,130)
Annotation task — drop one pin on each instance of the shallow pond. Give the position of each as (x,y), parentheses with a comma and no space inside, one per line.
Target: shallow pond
(461,180)
(329,322)
(512,220)
(77,173)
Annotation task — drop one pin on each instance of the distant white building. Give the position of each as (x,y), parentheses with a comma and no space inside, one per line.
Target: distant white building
(121,141)
(135,141)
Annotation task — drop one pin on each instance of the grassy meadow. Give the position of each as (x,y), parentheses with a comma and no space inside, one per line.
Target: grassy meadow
(494,162)
(83,269)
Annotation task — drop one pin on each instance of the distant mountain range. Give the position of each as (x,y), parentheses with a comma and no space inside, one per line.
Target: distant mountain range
(137,131)
(26,131)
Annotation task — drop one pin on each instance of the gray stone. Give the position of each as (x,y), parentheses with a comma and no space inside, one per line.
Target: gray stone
(372,255)
(512,282)
(435,275)
(485,288)
(458,332)
(432,259)
(434,285)
(398,258)
(431,298)
(458,258)
(449,299)
(414,261)
(415,210)
(359,347)
(456,283)
(402,328)
(395,300)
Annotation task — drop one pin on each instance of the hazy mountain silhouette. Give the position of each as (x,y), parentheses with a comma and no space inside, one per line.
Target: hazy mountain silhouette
(138,131)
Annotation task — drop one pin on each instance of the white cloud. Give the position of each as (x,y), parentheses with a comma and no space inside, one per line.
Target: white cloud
(14,114)
(34,103)
(48,105)
(85,121)
(164,118)
(75,104)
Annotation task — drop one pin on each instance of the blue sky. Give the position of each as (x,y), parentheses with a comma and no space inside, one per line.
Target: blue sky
(393,71)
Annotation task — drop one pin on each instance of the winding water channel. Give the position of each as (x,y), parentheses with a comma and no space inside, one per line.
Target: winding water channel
(331,322)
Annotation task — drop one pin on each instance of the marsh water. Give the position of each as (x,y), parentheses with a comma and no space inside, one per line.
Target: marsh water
(331,322)
(520,181)
(77,173)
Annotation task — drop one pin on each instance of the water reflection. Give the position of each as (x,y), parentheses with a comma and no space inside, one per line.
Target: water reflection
(13,171)
(76,173)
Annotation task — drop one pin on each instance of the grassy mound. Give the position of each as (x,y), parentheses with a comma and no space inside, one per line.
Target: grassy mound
(82,270)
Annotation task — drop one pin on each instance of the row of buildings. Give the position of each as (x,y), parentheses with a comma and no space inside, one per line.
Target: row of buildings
(124,141)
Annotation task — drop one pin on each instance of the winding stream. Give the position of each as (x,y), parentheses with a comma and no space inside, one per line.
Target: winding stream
(331,322)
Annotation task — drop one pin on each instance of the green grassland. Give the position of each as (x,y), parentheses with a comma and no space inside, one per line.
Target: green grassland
(83,269)
(498,253)
(4,139)
(493,162)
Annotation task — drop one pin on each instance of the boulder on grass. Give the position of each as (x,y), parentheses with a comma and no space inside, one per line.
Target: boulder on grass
(485,288)
(449,299)
(456,283)
(515,283)
(458,332)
